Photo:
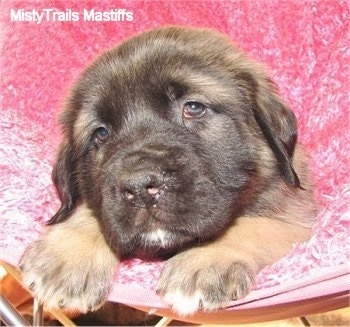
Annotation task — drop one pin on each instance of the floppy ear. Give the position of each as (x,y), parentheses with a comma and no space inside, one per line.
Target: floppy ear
(279,126)
(63,176)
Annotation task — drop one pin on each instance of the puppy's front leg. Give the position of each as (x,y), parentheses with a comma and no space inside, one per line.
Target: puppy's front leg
(208,277)
(71,266)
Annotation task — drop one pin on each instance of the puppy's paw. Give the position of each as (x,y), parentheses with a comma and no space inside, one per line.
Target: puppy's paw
(62,279)
(70,266)
(190,282)
(58,283)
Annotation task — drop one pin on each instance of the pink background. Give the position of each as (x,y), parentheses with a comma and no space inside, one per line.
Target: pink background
(304,44)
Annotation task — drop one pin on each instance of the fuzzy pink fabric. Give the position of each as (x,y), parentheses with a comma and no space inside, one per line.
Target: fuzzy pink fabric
(306,46)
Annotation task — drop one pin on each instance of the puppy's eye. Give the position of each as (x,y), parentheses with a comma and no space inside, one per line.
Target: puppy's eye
(194,109)
(101,136)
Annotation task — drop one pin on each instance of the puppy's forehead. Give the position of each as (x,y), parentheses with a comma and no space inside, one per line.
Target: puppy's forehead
(155,67)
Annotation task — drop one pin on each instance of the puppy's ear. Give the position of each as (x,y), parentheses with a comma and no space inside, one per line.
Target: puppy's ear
(279,126)
(63,176)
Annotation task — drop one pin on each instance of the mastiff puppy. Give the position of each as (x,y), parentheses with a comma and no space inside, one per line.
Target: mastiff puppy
(176,145)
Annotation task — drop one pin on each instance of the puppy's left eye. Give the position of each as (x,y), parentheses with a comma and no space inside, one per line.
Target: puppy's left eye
(194,109)
(101,136)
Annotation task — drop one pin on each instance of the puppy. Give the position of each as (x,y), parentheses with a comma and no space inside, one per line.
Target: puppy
(176,145)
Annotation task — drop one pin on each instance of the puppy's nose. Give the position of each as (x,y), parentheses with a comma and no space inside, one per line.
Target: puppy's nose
(142,186)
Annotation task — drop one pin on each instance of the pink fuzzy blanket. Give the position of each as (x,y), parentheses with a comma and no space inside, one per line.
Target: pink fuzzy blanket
(305,44)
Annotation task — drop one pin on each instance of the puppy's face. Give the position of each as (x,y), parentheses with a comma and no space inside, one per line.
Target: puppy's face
(168,138)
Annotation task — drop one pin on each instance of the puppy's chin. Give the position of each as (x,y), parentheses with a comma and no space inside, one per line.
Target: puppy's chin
(157,244)
(153,253)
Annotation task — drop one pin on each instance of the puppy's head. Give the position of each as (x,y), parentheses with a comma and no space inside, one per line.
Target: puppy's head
(168,137)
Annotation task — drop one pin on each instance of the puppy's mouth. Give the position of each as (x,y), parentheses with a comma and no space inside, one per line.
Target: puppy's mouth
(159,244)
(154,226)
(155,236)
(153,216)
(147,196)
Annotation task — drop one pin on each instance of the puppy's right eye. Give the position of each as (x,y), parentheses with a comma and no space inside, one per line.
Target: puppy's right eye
(194,109)
(101,135)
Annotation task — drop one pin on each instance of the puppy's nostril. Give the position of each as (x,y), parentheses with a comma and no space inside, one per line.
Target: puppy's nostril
(152,190)
(129,195)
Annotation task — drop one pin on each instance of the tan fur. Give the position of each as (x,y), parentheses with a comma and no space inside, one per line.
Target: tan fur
(79,264)
(299,208)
